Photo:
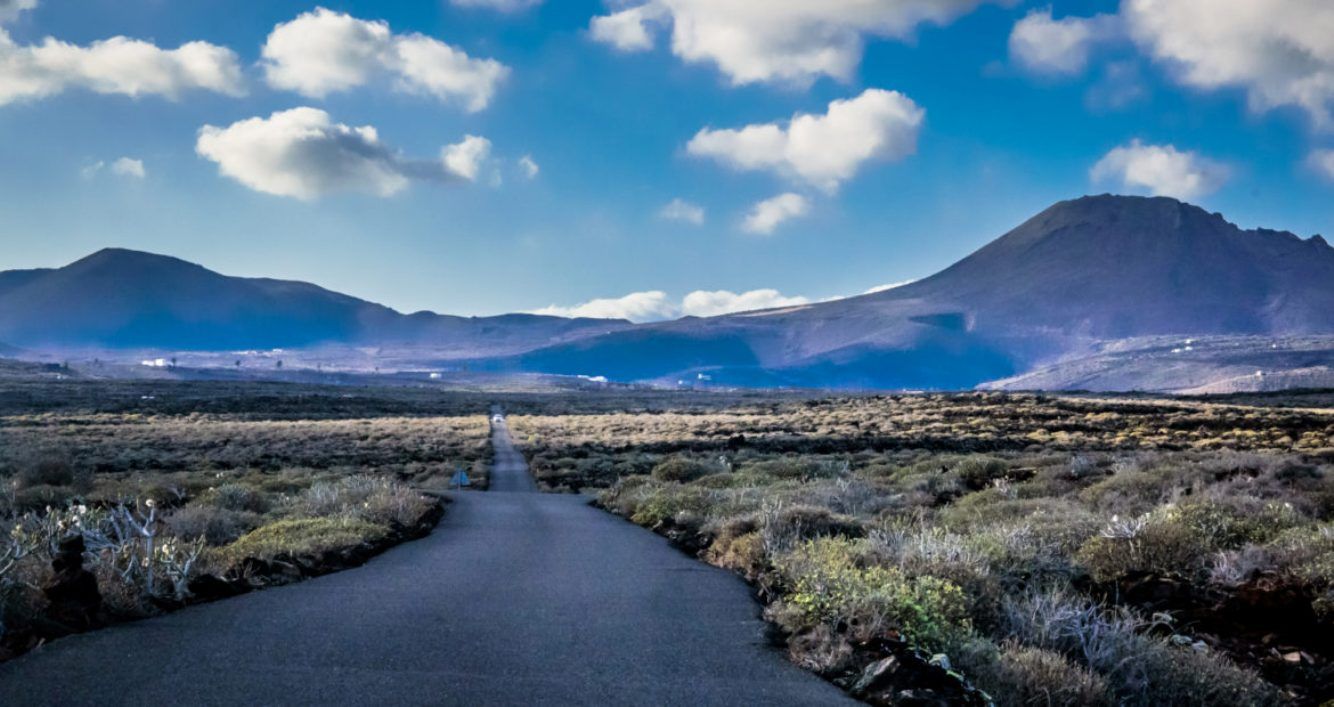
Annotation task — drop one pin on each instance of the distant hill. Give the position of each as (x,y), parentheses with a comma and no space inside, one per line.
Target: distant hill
(1111,267)
(1090,293)
(1078,274)
(123,299)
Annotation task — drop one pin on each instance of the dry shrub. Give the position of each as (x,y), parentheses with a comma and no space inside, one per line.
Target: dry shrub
(52,469)
(237,497)
(682,470)
(1139,668)
(368,498)
(785,527)
(819,648)
(1156,547)
(665,503)
(1021,676)
(394,505)
(121,596)
(217,526)
(46,476)
(978,472)
(739,546)
(21,600)
(797,468)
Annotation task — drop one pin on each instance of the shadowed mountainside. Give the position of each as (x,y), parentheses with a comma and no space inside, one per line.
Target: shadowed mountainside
(126,299)
(1082,272)
(1060,287)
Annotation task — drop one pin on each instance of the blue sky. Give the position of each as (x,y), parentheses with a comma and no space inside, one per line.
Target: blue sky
(1016,104)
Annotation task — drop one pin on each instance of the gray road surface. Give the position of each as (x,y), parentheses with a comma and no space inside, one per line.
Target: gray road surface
(518,598)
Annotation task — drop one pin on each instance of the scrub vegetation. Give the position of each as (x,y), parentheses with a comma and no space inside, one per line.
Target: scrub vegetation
(1020,549)
(113,515)
(926,549)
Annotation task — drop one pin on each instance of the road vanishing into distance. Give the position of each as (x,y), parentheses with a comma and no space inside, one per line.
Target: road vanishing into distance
(517,598)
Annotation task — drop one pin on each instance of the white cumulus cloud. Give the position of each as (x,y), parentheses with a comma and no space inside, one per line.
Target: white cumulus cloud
(683,211)
(1161,170)
(322,52)
(711,304)
(1279,51)
(465,159)
(118,65)
(1322,161)
(501,5)
(129,167)
(529,167)
(1045,45)
(302,153)
(9,9)
(821,150)
(636,306)
(120,167)
(627,30)
(792,41)
(655,305)
(768,215)
(887,287)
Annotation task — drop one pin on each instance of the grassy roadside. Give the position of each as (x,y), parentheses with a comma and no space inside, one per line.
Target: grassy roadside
(1081,584)
(1012,549)
(78,567)
(114,516)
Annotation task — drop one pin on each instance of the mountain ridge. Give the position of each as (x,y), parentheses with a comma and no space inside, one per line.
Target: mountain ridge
(118,298)
(1058,286)
(1082,271)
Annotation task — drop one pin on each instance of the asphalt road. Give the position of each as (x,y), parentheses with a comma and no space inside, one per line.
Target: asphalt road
(518,598)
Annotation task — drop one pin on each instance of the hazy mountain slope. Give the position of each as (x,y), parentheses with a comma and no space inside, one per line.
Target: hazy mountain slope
(1212,364)
(1041,304)
(12,279)
(1114,267)
(126,299)
(873,350)
(1083,271)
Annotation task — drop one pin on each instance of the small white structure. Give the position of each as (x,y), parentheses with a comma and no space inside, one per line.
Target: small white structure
(154,363)
(435,376)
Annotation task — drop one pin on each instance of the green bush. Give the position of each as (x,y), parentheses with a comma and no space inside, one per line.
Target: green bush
(237,497)
(796,468)
(1305,553)
(668,502)
(1159,547)
(725,480)
(682,470)
(296,537)
(51,468)
(1225,527)
(828,584)
(784,527)
(1140,486)
(978,472)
